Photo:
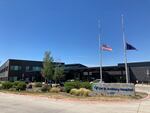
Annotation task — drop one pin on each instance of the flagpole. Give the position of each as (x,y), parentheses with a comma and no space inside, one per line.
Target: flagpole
(125,52)
(100,53)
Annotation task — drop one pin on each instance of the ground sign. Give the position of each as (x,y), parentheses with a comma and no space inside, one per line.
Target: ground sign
(114,89)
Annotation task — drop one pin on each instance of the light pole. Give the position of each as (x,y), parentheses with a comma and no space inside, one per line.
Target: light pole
(148,73)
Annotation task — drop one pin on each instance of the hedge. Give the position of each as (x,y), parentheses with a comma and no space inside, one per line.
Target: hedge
(21,86)
(45,88)
(76,85)
(7,85)
(16,85)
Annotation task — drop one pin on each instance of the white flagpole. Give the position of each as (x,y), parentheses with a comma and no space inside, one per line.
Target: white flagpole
(125,52)
(100,52)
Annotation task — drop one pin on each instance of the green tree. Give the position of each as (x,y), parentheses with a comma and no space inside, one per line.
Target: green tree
(58,73)
(48,67)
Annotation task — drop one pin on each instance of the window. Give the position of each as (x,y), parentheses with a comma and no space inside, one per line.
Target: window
(90,73)
(27,68)
(15,68)
(85,73)
(13,78)
(36,68)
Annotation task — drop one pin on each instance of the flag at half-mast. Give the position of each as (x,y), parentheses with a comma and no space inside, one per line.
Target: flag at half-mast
(130,47)
(106,48)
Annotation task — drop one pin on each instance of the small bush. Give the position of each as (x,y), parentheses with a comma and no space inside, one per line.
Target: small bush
(21,86)
(77,85)
(71,85)
(84,92)
(75,92)
(55,90)
(12,89)
(45,88)
(7,85)
(1,87)
(62,89)
(80,92)
(37,89)
(72,91)
(15,84)
(38,84)
(86,85)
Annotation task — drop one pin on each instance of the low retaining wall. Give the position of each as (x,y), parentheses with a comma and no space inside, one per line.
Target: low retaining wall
(142,88)
(114,89)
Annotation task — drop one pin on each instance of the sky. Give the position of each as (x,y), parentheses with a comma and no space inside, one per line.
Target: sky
(69,29)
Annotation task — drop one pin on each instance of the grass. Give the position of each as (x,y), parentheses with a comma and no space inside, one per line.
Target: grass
(67,96)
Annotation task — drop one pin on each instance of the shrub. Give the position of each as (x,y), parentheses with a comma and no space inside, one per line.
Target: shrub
(12,89)
(68,86)
(75,92)
(86,85)
(55,90)
(38,84)
(15,84)
(76,84)
(21,86)
(84,92)
(72,91)
(1,86)
(62,89)
(45,88)
(80,92)
(37,90)
(7,85)
(71,85)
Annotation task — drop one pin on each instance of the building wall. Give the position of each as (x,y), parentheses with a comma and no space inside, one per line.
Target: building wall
(31,70)
(140,74)
(110,74)
(25,70)
(4,70)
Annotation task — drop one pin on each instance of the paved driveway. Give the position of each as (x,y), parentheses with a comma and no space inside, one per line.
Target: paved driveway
(10,103)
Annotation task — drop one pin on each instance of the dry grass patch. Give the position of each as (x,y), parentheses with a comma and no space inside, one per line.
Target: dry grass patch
(67,96)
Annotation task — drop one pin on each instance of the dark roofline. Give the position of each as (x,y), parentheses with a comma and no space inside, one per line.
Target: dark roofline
(77,64)
(83,66)
(96,68)
(136,63)
(106,67)
(24,60)
(31,61)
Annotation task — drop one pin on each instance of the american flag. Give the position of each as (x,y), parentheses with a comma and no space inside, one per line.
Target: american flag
(106,48)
